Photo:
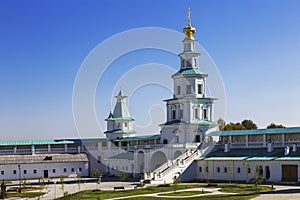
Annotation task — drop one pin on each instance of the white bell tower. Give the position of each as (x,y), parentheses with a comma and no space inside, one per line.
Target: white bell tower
(189,112)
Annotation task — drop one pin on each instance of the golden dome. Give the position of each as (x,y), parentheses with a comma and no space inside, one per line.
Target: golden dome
(189,30)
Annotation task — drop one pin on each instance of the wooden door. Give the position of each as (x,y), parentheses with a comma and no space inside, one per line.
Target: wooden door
(289,173)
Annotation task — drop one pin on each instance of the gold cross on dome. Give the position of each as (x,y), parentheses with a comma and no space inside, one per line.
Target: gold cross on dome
(189,15)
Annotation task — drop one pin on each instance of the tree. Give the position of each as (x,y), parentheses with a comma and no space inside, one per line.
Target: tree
(221,124)
(249,124)
(176,182)
(62,182)
(234,126)
(78,177)
(122,176)
(272,125)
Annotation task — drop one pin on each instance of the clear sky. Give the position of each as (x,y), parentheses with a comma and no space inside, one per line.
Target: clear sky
(254,43)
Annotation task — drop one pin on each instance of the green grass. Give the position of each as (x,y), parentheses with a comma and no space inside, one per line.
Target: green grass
(25,195)
(244,192)
(89,194)
(185,193)
(24,189)
(244,188)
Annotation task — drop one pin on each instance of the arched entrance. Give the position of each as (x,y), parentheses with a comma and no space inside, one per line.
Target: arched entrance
(141,162)
(267,170)
(157,159)
(177,154)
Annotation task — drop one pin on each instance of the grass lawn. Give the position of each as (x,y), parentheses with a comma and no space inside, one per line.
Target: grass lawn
(185,193)
(25,195)
(89,194)
(244,192)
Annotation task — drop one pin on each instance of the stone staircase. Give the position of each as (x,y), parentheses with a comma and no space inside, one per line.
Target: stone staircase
(173,168)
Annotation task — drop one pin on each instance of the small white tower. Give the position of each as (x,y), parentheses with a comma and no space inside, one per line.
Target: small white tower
(189,112)
(119,123)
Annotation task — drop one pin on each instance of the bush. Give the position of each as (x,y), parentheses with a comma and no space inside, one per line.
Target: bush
(164,185)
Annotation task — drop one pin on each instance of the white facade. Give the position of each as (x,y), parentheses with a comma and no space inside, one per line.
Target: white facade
(14,167)
(233,170)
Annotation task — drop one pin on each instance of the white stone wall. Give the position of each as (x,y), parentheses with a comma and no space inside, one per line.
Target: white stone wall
(232,170)
(7,171)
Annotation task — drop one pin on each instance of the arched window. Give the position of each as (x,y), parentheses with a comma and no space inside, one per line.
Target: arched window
(267,168)
(196,113)
(176,139)
(173,112)
(249,170)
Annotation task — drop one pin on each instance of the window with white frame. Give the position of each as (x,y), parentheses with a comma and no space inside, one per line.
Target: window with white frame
(196,113)
(189,89)
(205,113)
(178,90)
(200,89)
(181,113)
(176,138)
(173,112)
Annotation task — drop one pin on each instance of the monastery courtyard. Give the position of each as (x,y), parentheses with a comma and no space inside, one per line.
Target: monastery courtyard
(53,190)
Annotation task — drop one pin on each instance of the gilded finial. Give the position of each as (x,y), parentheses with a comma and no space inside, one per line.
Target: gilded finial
(189,15)
(189,30)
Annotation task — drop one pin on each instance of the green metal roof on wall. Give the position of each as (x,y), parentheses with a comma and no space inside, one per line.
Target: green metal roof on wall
(257,131)
(190,71)
(123,156)
(135,138)
(261,158)
(34,142)
(253,154)
(225,158)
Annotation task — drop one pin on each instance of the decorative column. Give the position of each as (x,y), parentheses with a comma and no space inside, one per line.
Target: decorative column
(66,147)
(283,140)
(32,149)
(264,140)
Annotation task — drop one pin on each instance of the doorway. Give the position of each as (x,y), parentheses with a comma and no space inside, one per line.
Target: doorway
(46,174)
(289,173)
(198,138)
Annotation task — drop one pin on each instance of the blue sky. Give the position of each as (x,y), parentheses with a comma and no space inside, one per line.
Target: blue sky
(254,43)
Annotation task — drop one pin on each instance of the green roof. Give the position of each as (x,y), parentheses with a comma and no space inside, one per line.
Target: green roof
(261,158)
(257,131)
(34,142)
(225,158)
(288,158)
(252,154)
(123,156)
(190,71)
(135,138)
(120,110)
